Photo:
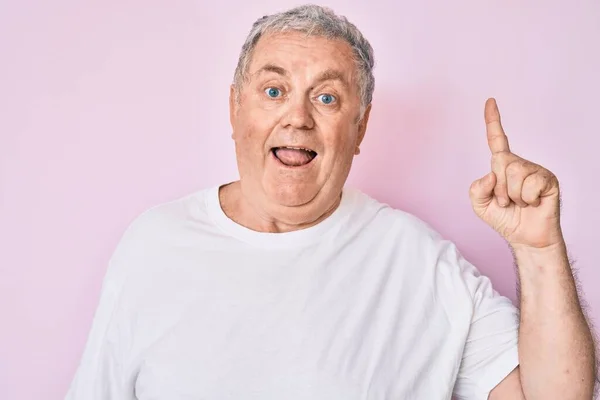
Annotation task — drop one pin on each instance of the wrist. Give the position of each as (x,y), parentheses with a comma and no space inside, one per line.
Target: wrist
(559,248)
(542,263)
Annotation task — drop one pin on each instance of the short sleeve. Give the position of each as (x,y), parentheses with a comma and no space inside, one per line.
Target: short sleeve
(104,371)
(99,374)
(109,367)
(491,349)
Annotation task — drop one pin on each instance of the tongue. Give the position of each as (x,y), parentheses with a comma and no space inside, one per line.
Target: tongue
(293,157)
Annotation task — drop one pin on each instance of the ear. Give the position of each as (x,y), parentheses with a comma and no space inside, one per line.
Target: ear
(233,106)
(362,126)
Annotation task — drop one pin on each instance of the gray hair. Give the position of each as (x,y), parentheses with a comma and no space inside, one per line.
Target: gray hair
(314,21)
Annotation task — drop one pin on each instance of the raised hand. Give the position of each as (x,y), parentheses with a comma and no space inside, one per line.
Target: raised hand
(518,198)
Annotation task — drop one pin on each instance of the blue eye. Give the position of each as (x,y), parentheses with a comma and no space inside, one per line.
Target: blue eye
(273,92)
(326,98)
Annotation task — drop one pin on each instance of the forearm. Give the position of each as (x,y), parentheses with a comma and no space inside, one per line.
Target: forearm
(556,346)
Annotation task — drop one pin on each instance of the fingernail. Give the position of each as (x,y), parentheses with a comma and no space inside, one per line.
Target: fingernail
(503,202)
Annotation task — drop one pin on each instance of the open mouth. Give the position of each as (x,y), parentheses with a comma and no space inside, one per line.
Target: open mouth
(294,156)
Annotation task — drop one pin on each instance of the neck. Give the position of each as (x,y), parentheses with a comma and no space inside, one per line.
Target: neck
(242,210)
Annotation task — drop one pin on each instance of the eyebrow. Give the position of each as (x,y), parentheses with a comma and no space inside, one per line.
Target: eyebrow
(272,68)
(332,75)
(327,75)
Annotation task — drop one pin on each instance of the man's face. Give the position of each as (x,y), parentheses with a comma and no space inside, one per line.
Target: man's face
(296,126)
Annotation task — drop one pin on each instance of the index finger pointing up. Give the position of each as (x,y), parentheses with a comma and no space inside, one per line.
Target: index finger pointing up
(497,140)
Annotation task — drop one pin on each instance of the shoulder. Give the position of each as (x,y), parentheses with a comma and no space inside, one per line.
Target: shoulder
(419,249)
(388,220)
(153,228)
(170,214)
(161,219)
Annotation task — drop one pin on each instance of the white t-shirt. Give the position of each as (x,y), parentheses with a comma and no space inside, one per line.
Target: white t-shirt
(371,303)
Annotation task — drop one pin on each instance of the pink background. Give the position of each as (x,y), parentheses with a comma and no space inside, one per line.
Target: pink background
(108,108)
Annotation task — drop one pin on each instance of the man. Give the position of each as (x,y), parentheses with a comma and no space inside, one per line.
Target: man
(288,285)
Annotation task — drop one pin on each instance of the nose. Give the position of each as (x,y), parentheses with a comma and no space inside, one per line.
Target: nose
(298,114)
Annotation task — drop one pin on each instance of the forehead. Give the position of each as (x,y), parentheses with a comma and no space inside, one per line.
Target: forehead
(297,53)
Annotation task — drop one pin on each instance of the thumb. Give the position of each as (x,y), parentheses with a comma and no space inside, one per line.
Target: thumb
(482,190)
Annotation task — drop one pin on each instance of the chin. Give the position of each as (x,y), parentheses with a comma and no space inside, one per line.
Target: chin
(292,194)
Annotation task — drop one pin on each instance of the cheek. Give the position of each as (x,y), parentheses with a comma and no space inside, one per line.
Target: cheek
(250,137)
(342,140)
(254,126)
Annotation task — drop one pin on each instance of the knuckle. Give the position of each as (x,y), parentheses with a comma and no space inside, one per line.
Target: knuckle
(515,168)
(528,164)
(519,168)
(502,158)
(543,179)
